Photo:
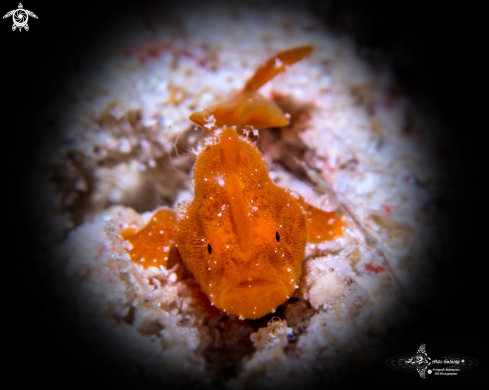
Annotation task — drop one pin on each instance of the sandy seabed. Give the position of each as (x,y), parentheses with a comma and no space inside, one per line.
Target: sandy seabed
(123,147)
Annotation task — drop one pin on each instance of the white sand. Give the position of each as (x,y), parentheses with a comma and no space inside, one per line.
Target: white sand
(117,151)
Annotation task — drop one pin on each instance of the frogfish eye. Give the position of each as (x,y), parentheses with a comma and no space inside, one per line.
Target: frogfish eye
(277,236)
(209,248)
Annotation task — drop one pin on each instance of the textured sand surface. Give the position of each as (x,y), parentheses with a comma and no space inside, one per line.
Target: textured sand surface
(123,147)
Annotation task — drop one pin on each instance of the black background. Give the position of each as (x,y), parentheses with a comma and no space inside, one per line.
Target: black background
(435,52)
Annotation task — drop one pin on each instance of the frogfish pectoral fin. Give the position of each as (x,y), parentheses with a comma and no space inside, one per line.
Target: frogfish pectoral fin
(150,246)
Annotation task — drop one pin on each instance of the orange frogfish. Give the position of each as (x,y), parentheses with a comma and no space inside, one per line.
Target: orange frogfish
(242,237)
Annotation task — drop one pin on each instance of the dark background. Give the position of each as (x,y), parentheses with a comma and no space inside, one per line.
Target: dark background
(434,51)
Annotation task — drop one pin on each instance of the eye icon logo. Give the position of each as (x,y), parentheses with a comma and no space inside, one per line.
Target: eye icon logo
(20,16)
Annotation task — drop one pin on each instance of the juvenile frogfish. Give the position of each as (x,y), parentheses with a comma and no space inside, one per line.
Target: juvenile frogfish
(242,237)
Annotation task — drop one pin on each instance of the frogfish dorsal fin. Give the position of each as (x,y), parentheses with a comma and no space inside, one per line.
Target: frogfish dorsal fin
(249,109)
(275,65)
(244,109)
